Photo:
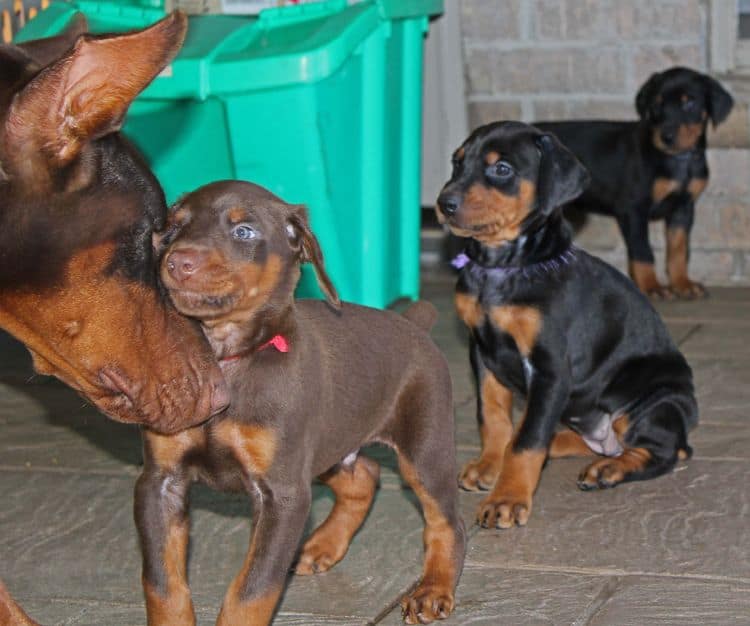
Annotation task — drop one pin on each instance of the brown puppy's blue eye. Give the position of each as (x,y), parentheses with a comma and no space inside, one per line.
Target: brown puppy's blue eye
(244,232)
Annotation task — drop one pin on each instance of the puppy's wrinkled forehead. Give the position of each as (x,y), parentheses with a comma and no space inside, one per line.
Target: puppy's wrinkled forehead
(508,141)
(229,202)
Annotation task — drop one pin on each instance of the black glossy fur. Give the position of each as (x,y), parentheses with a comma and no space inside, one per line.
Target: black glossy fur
(557,326)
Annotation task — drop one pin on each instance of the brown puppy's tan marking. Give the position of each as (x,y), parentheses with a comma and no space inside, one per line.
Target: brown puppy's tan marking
(433,599)
(174,606)
(354,488)
(253,445)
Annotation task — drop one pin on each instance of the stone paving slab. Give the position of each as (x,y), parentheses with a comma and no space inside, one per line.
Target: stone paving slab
(689,523)
(675,550)
(492,596)
(638,600)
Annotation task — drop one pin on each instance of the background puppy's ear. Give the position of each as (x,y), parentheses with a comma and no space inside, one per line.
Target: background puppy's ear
(720,103)
(646,95)
(303,239)
(561,177)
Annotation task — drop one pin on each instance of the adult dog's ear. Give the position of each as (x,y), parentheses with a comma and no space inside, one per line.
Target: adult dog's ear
(720,102)
(301,238)
(561,177)
(85,94)
(646,95)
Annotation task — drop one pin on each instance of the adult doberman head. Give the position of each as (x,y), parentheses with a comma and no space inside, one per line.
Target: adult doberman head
(78,208)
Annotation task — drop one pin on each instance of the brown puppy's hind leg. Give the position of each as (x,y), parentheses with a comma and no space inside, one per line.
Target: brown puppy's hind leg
(354,488)
(444,542)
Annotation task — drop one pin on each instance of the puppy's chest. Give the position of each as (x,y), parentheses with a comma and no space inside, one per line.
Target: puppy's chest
(505,332)
(678,179)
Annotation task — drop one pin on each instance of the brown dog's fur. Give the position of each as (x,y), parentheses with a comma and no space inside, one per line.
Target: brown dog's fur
(77,210)
(352,375)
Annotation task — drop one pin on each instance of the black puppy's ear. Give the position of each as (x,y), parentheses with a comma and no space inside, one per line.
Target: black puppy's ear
(720,103)
(646,95)
(561,177)
(302,239)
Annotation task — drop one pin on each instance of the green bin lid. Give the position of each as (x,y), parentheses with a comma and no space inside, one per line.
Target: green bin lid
(229,54)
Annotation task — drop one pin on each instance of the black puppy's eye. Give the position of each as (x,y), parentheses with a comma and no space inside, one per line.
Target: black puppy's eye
(501,170)
(688,103)
(244,232)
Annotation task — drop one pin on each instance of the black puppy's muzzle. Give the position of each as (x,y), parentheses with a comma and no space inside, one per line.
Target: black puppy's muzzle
(449,203)
(668,136)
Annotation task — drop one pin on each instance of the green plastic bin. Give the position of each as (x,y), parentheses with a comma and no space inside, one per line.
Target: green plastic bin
(321,103)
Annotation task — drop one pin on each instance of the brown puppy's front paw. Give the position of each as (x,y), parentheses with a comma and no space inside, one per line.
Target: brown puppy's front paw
(688,290)
(602,474)
(503,511)
(317,557)
(427,603)
(479,474)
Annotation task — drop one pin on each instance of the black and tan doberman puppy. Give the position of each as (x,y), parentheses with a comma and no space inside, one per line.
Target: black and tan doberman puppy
(556,326)
(311,382)
(78,205)
(651,169)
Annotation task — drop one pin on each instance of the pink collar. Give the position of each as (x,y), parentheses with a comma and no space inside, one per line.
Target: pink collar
(277,341)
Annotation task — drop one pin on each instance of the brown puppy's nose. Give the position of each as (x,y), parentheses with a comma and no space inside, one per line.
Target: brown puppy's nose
(182,264)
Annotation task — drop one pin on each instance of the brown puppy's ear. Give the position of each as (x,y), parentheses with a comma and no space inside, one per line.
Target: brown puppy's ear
(720,102)
(646,95)
(302,239)
(179,216)
(45,51)
(85,95)
(561,177)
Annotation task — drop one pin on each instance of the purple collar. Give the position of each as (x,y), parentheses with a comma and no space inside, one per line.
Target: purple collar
(527,271)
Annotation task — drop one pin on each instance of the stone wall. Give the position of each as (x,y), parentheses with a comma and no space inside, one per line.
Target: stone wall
(565,59)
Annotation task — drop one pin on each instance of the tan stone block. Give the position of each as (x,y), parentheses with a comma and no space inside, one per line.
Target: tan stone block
(548,20)
(483,20)
(479,66)
(649,59)
(729,174)
(481,113)
(734,132)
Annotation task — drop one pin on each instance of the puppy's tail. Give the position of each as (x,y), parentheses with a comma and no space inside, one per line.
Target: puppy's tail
(422,313)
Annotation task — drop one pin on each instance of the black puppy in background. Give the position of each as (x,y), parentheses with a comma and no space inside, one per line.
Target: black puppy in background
(651,169)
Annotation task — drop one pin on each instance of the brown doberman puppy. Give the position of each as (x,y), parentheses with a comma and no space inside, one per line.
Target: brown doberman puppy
(311,382)
(78,206)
